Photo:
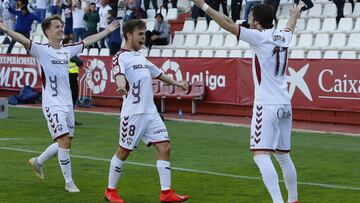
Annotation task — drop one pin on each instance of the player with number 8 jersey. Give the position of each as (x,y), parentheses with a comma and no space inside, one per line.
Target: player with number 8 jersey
(139,117)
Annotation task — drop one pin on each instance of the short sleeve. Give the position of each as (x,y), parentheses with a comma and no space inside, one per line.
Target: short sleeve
(74,49)
(35,49)
(288,36)
(252,36)
(154,70)
(118,66)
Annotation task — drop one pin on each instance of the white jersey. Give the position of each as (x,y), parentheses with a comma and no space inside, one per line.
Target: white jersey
(139,73)
(270,49)
(103,14)
(54,64)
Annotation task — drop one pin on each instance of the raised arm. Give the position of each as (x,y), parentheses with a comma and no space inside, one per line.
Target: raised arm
(96,37)
(224,21)
(165,78)
(15,35)
(294,15)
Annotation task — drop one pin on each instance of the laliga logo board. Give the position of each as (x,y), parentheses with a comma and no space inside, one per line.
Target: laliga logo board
(212,81)
(98,77)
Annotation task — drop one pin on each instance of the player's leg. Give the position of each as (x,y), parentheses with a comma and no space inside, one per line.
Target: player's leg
(131,130)
(283,155)
(37,162)
(156,134)
(264,135)
(115,171)
(62,121)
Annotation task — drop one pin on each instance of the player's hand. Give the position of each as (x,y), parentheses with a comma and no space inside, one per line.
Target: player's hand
(121,91)
(113,26)
(3,26)
(154,37)
(184,85)
(295,11)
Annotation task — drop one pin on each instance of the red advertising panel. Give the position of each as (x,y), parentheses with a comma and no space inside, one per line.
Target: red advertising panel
(313,84)
(17,71)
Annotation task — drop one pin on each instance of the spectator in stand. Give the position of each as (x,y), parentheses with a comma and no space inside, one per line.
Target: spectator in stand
(92,18)
(160,35)
(173,3)
(223,3)
(23,23)
(41,9)
(274,4)
(113,4)
(249,4)
(56,7)
(114,37)
(235,9)
(340,4)
(134,10)
(7,16)
(103,14)
(147,4)
(79,24)
(196,12)
(68,27)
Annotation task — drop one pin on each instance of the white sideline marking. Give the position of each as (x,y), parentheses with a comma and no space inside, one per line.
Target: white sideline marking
(6,138)
(194,170)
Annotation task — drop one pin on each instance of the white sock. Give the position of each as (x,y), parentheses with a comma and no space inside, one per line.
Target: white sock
(48,153)
(164,171)
(65,163)
(289,174)
(115,172)
(269,176)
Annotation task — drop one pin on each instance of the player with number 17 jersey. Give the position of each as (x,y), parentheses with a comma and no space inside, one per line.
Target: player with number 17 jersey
(54,65)
(270,49)
(139,73)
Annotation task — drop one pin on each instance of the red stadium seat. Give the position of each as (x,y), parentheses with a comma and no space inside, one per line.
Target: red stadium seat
(197,93)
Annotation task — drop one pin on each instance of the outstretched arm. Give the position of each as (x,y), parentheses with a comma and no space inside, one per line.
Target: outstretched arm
(224,21)
(294,15)
(15,35)
(96,37)
(182,84)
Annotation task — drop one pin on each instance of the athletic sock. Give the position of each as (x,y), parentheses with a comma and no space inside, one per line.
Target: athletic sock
(115,172)
(269,176)
(289,174)
(48,153)
(164,171)
(65,163)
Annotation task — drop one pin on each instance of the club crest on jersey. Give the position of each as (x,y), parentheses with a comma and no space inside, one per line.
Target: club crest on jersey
(59,127)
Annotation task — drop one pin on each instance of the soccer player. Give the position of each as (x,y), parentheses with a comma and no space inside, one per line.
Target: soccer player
(56,95)
(272,115)
(139,117)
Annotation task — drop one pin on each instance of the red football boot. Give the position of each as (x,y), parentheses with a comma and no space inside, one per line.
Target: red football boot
(171,196)
(112,196)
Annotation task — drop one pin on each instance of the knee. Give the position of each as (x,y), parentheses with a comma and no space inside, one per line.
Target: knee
(165,148)
(122,154)
(64,142)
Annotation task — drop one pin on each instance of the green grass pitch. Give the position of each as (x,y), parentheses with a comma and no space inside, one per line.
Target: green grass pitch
(211,163)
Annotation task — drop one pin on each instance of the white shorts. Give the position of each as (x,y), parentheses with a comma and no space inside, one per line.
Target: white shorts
(147,127)
(60,120)
(271,127)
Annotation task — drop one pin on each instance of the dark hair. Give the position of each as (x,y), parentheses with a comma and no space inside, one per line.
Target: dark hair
(24,8)
(92,4)
(47,22)
(264,15)
(130,25)
(159,14)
